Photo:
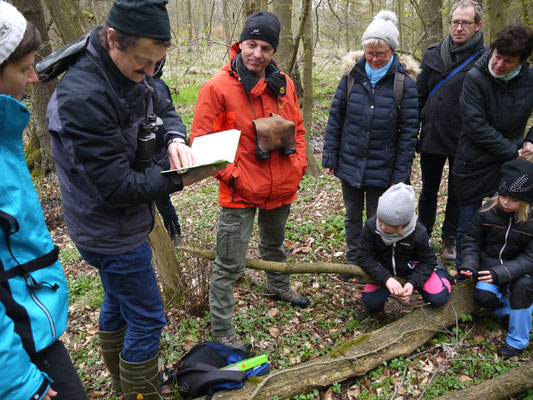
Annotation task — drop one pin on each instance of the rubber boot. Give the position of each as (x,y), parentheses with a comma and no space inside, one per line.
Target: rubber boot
(111,344)
(140,380)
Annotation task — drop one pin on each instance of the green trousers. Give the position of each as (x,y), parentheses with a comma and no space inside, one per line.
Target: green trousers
(235,228)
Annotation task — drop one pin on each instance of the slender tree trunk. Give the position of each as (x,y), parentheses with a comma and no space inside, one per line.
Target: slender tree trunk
(431,20)
(68,18)
(283,9)
(226,23)
(38,150)
(312,165)
(497,11)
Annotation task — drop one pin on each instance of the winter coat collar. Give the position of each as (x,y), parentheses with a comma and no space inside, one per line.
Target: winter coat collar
(403,63)
(14,116)
(483,65)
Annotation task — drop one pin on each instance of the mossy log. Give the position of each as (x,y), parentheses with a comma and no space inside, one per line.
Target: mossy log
(502,387)
(288,268)
(357,357)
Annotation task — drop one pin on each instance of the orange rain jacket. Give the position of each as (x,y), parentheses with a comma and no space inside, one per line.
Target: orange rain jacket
(249,182)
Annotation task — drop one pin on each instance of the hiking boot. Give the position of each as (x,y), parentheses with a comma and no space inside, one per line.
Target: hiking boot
(448,251)
(507,351)
(233,341)
(345,277)
(361,313)
(289,296)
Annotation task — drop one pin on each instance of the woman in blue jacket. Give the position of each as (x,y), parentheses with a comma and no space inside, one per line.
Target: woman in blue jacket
(33,288)
(371,132)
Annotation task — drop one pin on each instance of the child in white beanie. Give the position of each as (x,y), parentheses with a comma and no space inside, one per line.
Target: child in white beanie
(393,244)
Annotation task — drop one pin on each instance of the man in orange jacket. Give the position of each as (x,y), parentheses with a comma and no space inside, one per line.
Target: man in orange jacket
(251,87)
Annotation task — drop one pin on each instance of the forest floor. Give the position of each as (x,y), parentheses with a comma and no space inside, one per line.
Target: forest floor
(459,358)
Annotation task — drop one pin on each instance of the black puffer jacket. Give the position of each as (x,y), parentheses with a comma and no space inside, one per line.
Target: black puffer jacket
(411,257)
(370,141)
(495,242)
(494,117)
(440,115)
(93,117)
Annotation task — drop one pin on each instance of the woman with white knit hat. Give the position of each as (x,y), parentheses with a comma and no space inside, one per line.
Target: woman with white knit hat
(372,127)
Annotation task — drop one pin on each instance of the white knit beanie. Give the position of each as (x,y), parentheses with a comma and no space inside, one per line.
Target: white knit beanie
(383,27)
(12,29)
(397,205)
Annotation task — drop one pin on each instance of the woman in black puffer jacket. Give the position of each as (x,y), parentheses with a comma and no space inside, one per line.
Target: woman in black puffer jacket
(370,141)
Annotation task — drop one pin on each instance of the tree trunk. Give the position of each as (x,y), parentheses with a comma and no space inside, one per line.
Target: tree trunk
(283,9)
(431,20)
(312,165)
(511,383)
(227,27)
(497,11)
(68,18)
(358,356)
(165,262)
(38,151)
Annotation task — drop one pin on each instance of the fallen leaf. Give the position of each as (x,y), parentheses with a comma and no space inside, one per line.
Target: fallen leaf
(464,378)
(274,332)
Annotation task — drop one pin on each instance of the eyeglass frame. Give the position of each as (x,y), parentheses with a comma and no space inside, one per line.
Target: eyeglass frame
(462,24)
(379,55)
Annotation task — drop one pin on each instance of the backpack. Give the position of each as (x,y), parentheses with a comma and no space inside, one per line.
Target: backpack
(399,79)
(200,373)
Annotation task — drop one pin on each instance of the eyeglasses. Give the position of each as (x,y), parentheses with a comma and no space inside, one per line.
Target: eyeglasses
(380,55)
(462,24)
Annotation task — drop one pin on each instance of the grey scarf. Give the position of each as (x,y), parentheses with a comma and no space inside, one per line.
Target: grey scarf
(447,51)
(391,238)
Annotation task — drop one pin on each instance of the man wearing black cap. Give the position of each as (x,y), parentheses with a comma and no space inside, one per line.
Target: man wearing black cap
(265,178)
(101,145)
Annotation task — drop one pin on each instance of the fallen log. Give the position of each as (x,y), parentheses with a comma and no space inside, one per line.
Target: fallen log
(358,356)
(502,387)
(288,268)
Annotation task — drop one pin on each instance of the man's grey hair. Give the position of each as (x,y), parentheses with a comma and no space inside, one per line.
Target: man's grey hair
(478,11)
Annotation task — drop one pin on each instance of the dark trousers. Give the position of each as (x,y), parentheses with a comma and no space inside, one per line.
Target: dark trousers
(56,363)
(466,213)
(354,202)
(170,218)
(131,297)
(432,166)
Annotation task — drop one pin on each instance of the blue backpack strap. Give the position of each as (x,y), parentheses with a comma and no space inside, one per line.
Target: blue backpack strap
(455,70)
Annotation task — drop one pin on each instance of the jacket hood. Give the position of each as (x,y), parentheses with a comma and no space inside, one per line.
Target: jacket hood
(483,65)
(412,68)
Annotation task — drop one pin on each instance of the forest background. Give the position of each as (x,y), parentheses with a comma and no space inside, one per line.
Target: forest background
(315,36)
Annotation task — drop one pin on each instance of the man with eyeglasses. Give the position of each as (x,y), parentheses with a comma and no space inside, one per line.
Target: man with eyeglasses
(102,145)
(444,66)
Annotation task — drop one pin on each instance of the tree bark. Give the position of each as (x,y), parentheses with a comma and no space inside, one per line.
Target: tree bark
(283,9)
(357,357)
(288,268)
(511,383)
(312,164)
(38,152)
(497,11)
(165,262)
(431,21)
(68,18)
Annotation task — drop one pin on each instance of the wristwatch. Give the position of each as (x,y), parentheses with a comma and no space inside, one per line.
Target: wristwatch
(176,140)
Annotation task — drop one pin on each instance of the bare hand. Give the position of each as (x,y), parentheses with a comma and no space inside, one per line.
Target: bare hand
(484,276)
(526,151)
(394,287)
(407,292)
(466,273)
(51,393)
(194,175)
(330,171)
(180,155)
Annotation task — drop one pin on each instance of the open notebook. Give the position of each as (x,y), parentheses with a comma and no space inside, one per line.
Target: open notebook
(215,148)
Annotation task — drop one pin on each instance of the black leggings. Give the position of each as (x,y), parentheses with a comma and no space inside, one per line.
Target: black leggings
(56,363)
